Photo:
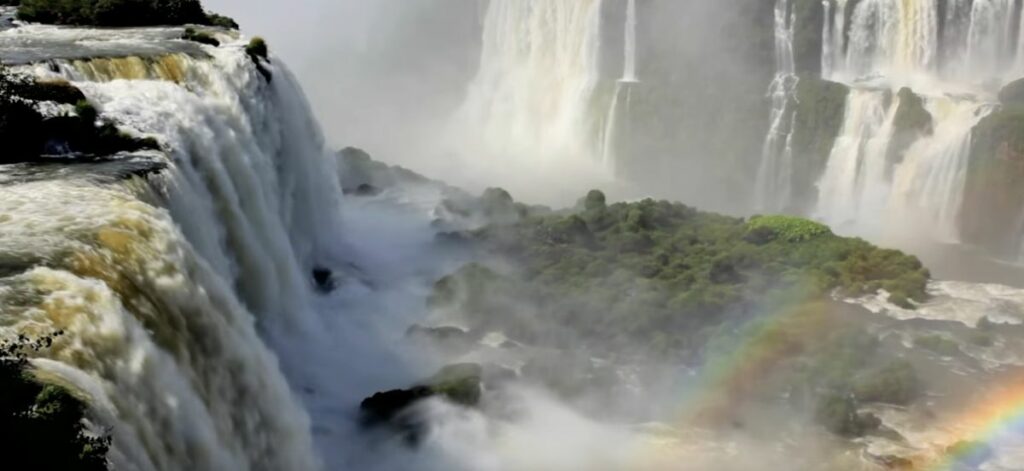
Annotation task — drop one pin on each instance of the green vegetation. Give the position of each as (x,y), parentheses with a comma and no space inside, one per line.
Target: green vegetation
(28,135)
(788,228)
(41,425)
(120,13)
(201,37)
(994,193)
(259,53)
(458,383)
(257,48)
(661,273)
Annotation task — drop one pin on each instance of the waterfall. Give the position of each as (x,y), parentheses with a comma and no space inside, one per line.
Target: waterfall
(891,37)
(928,186)
(168,290)
(956,70)
(629,73)
(773,187)
(990,42)
(853,187)
(534,95)
(613,123)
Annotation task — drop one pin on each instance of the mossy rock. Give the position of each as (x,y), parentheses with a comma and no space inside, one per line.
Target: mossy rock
(994,192)
(200,37)
(460,384)
(257,48)
(59,91)
(820,108)
(1012,93)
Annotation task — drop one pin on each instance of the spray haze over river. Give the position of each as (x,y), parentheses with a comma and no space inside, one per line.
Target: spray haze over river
(247,295)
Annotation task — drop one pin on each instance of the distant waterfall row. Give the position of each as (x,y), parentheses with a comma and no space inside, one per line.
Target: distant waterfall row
(957,39)
(944,61)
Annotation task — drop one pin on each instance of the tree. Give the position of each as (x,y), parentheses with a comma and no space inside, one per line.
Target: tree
(41,425)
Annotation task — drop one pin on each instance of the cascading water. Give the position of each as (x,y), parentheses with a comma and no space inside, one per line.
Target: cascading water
(533,98)
(773,188)
(928,186)
(858,161)
(954,58)
(888,37)
(167,290)
(613,124)
(629,75)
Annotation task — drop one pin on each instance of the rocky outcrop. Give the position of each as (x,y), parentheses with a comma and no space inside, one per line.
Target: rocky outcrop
(459,384)
(820,106)
(911,123)
(993,211)
(1012,93)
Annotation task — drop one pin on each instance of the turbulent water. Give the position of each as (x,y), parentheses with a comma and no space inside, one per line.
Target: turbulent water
(165,288)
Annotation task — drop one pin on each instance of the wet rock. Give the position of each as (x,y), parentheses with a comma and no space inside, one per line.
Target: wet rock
(323,278)
(990,216)
(459,384)
(365,189)
(1012,93)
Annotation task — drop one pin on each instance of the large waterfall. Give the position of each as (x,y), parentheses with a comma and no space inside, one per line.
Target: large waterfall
(167,289)
(945,60)
(535,97)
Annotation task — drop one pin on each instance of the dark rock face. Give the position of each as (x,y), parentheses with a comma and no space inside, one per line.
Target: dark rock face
(385,406)
(808,16)
(992,215)
(459,384)
(820,108)
(912,122)
(366,189)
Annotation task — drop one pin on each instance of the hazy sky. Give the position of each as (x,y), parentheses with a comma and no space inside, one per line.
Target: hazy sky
(379,73)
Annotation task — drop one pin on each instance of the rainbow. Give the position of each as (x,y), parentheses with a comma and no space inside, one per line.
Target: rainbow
(986,423)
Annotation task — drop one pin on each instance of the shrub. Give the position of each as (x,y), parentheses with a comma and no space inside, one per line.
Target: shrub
(257,48)
(790,228)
